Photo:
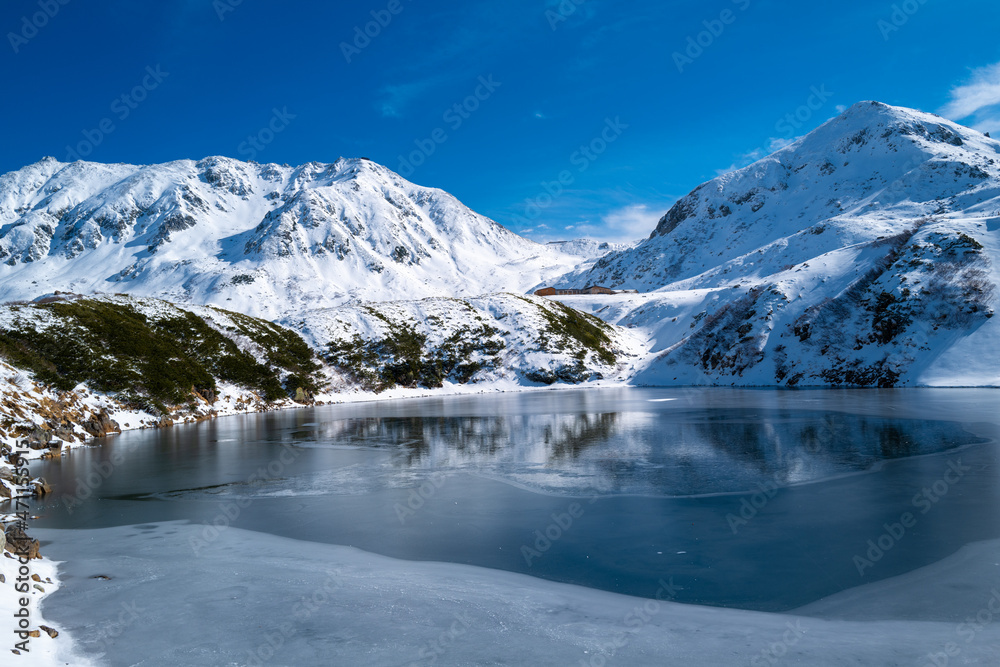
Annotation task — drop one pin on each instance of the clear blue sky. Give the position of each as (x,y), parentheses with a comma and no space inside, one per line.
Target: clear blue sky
(564,69)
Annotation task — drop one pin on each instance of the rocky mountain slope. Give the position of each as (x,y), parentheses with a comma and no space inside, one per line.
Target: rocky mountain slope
(865,254)
(258,239)
(498,338)
(72,367)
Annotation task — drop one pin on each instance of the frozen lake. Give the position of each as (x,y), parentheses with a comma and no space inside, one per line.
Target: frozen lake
(754,500)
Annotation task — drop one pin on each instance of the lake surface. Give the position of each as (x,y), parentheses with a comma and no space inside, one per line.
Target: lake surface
(748,499)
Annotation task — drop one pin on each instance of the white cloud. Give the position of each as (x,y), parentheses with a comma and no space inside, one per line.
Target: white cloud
(627,224)
(774,144)
(978,99)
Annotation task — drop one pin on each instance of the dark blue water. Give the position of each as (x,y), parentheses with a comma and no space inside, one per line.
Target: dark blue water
(751,499)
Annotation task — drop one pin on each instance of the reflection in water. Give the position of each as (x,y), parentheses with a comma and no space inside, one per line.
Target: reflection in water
(651,453)
(642,459)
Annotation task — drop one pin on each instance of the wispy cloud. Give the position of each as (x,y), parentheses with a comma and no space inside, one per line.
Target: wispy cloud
(977,99)
(774,144)
(395,98)
(626,224)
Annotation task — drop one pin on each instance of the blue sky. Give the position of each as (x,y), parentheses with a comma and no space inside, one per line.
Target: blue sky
(574,118)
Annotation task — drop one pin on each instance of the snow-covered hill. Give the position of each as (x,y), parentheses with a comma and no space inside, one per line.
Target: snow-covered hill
(864,253)
(508,339)
(259,239)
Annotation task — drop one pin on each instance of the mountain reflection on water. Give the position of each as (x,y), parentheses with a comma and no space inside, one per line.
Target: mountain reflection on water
(658,453)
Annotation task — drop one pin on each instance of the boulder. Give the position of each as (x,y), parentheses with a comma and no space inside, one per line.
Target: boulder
(39,437)
(42,488)
(65,434)
(101,424)
(18,542)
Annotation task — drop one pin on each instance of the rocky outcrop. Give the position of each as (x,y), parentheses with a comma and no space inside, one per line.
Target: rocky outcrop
(101,424)
(19,543)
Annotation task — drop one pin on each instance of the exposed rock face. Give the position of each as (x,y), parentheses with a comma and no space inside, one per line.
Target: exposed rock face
(101,424)
(18,542)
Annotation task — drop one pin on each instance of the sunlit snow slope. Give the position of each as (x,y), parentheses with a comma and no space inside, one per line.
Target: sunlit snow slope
(259,239)
(865,253)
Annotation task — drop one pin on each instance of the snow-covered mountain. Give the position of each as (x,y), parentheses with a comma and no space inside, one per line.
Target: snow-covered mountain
(261,239)
(864,253)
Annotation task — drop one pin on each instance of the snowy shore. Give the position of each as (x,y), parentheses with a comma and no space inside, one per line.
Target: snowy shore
(257,599)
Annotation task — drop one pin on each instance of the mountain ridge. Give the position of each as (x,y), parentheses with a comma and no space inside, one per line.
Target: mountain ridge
(864,253)
(259,238)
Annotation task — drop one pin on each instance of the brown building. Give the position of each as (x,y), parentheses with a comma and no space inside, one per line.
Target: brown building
(592,289)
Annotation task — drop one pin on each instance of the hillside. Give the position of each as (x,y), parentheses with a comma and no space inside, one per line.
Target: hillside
(506,338)
(863,254)
(74,367)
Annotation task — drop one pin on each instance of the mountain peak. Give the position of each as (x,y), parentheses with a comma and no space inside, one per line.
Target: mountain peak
(260,238)
(868,173)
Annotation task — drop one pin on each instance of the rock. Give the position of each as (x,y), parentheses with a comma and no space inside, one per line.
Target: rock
(3,545)
(51,632)
(101,424)
(7,473)
(34,633)
(42,488)
(65,434)
(164,422)
(18,542)
(3,579)
(39,587)
(39,437)
(35,577)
